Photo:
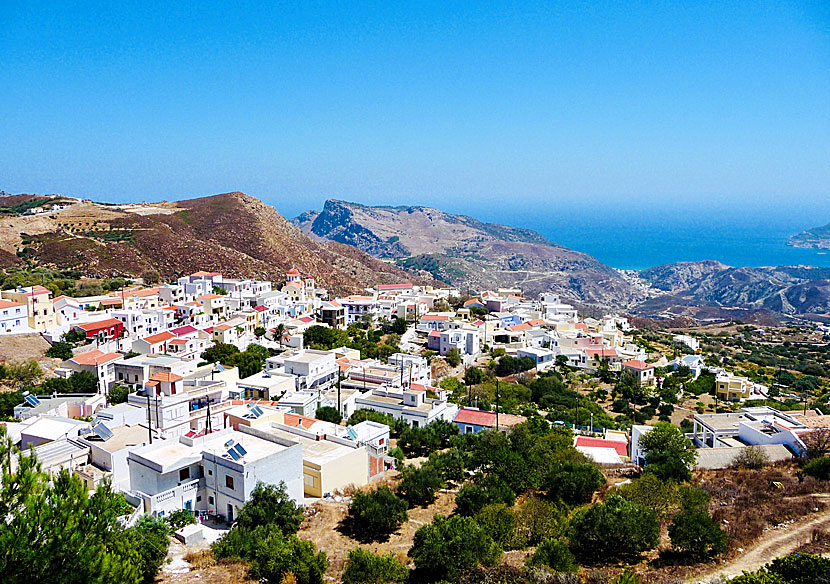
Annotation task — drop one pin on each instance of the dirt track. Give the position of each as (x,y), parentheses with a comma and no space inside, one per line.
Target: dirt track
(773,544)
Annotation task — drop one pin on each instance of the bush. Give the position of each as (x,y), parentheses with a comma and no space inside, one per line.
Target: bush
(179,518)
(364,567)
(453,357)
(574,482)
(152,542)
(275,555)
(472,498)
(668,453)
(537,520)
(695,533)
(374,515)
(448,464)
(60,350)
(118,394)
(447,547)
(759,577)
(614,529)
(751,458)
(818,468)
(498,521)
(270,505)
(418,485)
(328,414)
(554,554)
(801,568)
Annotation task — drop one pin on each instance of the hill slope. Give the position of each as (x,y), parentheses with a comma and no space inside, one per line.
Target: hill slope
(466,252)
(816,238)
(232,233)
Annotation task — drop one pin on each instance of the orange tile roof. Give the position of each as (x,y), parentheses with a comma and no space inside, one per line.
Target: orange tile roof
(91,326)
(178,342)
(166,376)
(435,317)
(95,357)
(9,304)
(297,419)
(208,296)
(525,326)
(159,337)
(222,327)
(636,364)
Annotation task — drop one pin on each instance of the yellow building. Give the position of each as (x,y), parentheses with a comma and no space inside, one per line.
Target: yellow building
(38,302)
(732,387)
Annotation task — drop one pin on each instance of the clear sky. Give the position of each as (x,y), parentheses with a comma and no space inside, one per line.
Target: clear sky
(511,108)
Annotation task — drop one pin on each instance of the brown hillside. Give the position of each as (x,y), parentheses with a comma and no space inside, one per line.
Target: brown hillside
(232,233)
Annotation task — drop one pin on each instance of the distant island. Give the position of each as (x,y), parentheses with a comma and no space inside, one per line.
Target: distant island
(816,238)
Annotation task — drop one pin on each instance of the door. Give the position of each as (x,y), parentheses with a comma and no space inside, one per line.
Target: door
(188,505)
(230,513)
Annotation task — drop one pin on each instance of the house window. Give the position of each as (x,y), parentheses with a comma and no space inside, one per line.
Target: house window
(229,481)
(184,474)
(198,498)
(210,500)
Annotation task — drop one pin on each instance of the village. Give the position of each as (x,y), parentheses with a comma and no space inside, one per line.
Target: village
(196,391)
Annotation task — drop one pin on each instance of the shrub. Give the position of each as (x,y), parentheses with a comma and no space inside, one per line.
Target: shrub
(449,464)
(554,554)
(450,546)
(759,577)
(818,468)
(498,521)
(668,453)
(275,555)
(471,498)
(615,528)
(453,357)
(418,485)
(375,515)
(364,567)
(574,482)
(801,568)
(328,414)
(179,518)
(118,394)
(695,533)
(538,520)
(751,458)
(270,505)
(152,545)
(60,350)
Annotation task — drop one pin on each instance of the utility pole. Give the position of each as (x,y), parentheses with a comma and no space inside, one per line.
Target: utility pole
(497,403)
(339,378)
(149,419)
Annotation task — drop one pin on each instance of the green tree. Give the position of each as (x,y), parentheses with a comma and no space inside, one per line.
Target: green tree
(328,414)
(179,518)
(364,567)
(574,482)
(818,468)
(453,357)
(151,276)
(276,554)
(22,373)
(418,485)
(800,568)
(448,547)
(695,533)
(668,453)
(151,541)
(449,464)
(614,529)
(118,394)
(499,522)
(259,332)
(473,376)
(220,353)
(270,505)
(375,515)
(554,554)
(60,350)
(539,519)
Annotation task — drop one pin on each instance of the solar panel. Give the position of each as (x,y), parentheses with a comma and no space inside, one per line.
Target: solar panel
(256,411)
(229,443)
(30,399)
(234,454)
(240,450)
(102,431)
(220,368)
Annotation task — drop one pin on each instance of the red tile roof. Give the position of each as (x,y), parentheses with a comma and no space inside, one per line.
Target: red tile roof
(94,326)
(159,337)
(637,364)
(435,317)
(183,330)
(95,357)
(260,308)
(475,417)
(165,376)
(620,447)
(393,286)
(9,304)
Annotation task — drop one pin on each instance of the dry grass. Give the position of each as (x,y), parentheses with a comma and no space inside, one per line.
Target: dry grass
(321,527)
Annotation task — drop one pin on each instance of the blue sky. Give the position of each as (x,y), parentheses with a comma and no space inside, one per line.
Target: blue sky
(512,109)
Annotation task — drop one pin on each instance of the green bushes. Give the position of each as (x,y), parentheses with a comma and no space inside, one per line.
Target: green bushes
(801,568)
(818,468)
(60,350)
(375,515)
(264,535)
(450,546)
(695,533)
(418,485)
(364,567)
(574,482)
(614,529)
(554,554)
(499,522)
(668,453)
(328,414)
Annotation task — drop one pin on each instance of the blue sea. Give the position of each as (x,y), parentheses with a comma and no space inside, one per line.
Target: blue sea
(636,239)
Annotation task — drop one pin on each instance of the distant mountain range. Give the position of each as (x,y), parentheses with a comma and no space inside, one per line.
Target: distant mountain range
(348,247)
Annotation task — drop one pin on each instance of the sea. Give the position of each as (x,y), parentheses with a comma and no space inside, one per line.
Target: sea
(639,238)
